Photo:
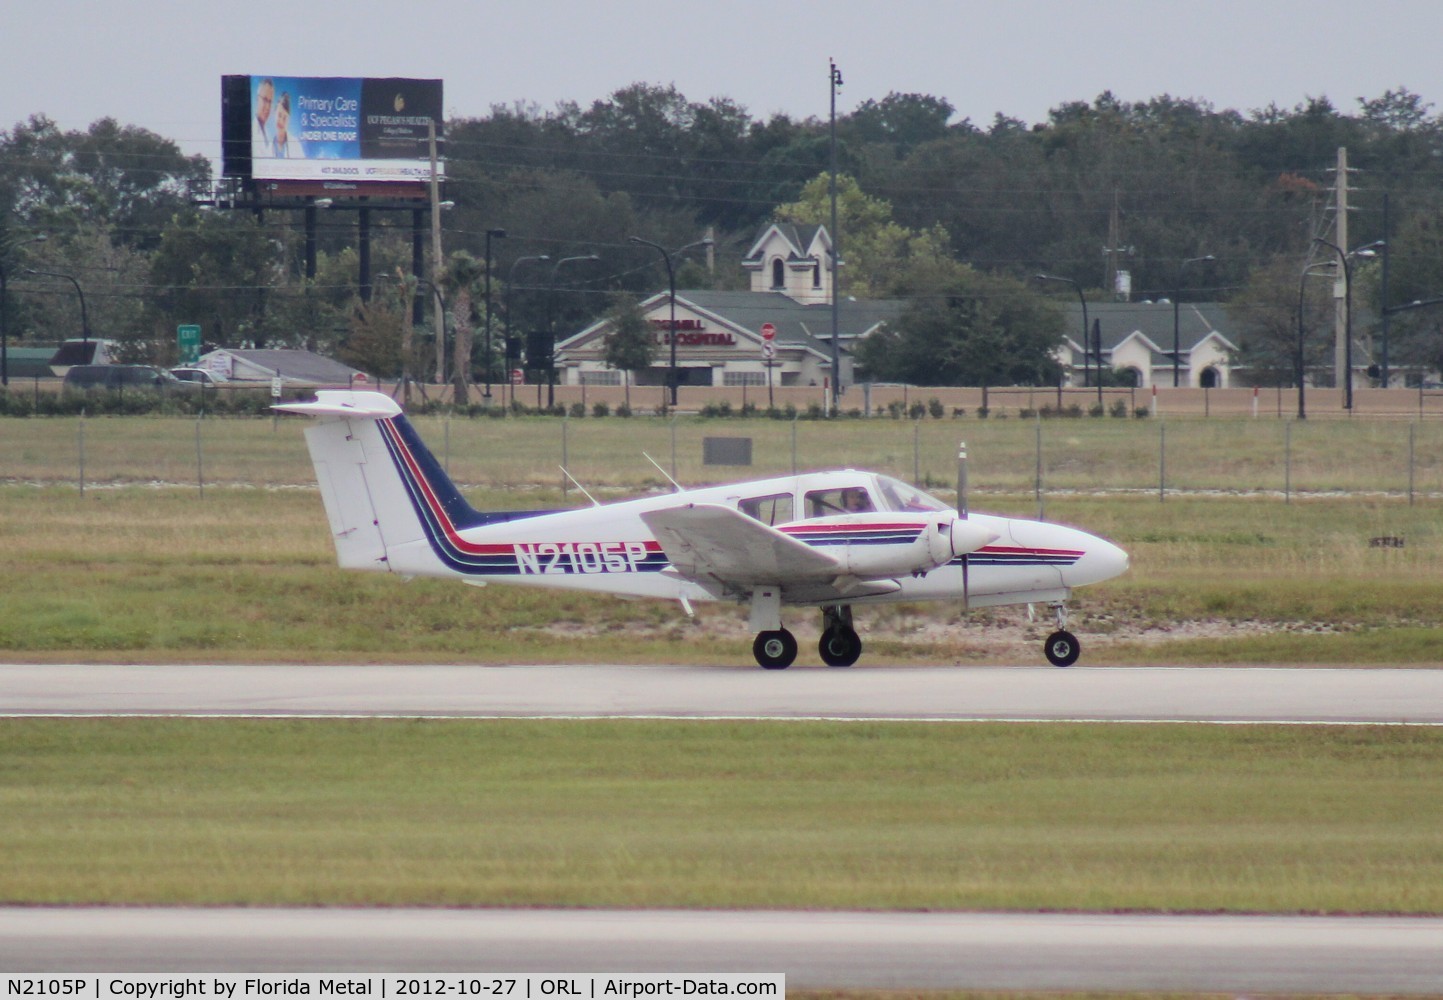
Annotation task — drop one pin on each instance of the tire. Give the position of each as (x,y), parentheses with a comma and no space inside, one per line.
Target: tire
(775,650)
(839,647)
(1062,648)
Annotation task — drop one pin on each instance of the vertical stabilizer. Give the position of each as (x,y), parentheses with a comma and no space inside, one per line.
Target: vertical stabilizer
(367,501)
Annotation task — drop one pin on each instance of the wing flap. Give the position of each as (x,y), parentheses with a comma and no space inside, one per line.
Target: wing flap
(716,545)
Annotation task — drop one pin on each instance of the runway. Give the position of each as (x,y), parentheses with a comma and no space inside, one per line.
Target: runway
(843,950)
(1103,694)
(847,950)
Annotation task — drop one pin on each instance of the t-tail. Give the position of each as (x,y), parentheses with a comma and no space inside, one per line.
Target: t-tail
(391,505)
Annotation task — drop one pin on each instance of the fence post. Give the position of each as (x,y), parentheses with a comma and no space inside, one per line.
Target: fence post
(1037,474)
(81,448)
(199,460)
(1161,462)
(794,444)
(565,457)
(1412,438)
(1288,462)
(917,453)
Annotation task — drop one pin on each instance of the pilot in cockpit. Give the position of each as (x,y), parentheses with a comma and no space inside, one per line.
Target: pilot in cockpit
(856,501)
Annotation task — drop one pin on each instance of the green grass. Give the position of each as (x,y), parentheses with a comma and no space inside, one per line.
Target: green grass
(142,573)
(1226,454)
(721,814)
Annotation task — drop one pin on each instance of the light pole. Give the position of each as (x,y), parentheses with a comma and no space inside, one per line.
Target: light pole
(510,322)
(84,316)
(551,325)
(6,249)
(1176,292)
(499,234)
(671,292)
(1363,251)
(1086,330)
(1300,362)
(834,82)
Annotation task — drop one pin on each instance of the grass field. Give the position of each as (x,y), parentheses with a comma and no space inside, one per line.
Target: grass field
(142,573)
(1006,456)
(659,814)
(1272,819)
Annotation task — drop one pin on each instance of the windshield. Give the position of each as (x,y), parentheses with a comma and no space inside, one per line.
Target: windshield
(898,496)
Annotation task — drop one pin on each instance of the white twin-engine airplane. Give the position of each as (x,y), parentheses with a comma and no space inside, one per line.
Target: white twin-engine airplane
(825,539)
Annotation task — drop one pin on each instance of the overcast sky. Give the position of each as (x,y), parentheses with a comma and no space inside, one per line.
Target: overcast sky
(158,63)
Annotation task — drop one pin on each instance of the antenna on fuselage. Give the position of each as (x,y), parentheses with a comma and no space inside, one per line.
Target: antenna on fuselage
(594,501)
(663,472)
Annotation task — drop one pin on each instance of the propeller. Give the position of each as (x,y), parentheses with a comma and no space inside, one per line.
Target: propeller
(962,510)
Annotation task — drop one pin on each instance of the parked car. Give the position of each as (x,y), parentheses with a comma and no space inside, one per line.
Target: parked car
(145,377)
(200,376)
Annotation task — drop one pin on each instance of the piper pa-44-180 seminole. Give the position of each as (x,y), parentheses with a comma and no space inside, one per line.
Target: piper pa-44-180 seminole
(829,540)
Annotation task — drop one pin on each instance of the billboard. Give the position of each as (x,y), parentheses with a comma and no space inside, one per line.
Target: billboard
(344,129)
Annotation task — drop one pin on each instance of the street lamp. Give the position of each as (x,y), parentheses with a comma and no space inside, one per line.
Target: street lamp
(6,249)
(1300,362)
(1363,251)
(499,234)
(1176,292)
(1086,331)
(551,326)
(671,291)
(834,82)
(84,316)
(510,323)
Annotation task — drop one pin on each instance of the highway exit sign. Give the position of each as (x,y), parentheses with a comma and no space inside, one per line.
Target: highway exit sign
(187,338)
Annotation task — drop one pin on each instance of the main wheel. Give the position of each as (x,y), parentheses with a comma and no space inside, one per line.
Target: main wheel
(1061,648)
(775,650)
(840,647)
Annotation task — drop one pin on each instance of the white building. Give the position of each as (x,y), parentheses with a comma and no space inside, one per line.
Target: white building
(780,330)
(1137,340)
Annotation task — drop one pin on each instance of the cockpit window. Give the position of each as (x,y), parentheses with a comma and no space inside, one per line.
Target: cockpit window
(898,496)
(775,509)
(829,503)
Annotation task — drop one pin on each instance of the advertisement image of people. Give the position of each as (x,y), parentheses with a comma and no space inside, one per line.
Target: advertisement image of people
(342,128)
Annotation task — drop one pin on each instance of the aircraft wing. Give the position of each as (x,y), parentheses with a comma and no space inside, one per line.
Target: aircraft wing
(720,547)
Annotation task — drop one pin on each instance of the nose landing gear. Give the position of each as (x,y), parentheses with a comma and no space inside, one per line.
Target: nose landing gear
(1061,647)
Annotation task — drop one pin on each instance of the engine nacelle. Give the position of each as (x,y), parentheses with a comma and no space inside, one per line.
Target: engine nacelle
(873,545)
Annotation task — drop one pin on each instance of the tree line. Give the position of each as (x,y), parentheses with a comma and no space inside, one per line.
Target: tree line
(954,217)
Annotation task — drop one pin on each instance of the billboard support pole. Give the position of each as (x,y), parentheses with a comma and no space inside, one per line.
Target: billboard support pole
(436,258)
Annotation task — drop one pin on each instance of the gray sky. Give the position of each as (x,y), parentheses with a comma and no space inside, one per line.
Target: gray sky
(158,63)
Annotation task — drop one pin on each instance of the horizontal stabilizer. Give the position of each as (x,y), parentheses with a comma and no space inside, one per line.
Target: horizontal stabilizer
(345,403)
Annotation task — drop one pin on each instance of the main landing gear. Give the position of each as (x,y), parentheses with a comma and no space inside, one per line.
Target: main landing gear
(775,649)
(840,646)
(1061,647)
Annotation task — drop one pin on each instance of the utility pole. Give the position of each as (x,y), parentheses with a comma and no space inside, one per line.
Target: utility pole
(1341,353)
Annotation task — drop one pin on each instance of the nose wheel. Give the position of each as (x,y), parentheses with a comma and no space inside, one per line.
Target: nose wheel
(1061,647)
